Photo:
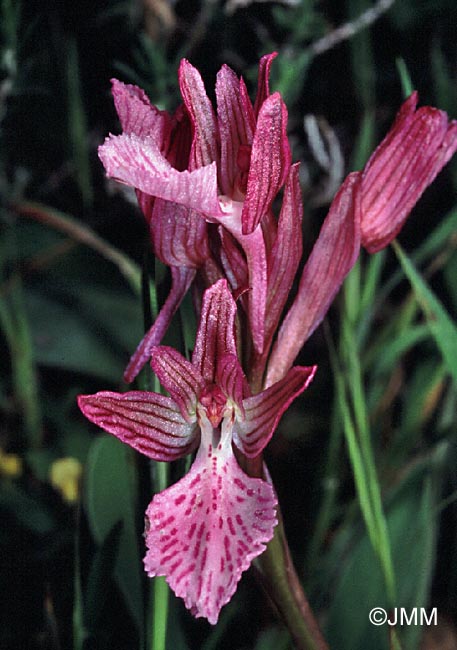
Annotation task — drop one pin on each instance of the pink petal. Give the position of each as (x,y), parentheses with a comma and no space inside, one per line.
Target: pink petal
(179,235)
(232,380)
(236,125)
(232,260)
(215,335)
(253,246)
(205,530)
(204,145)
(263,89)
(138,116)
(179,377)
(332,257)
(181,279)
(181,139)
(254,249)
(270,161)
(286,252)
(411,155)
(138,162)
(148,422)
(264,410)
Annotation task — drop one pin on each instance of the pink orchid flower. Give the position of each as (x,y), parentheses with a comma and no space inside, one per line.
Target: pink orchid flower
(369,209)
(414,151)
(206,529)
(227,169)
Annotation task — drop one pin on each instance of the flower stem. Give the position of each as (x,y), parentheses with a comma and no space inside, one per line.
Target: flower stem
(283,586)
(159,588)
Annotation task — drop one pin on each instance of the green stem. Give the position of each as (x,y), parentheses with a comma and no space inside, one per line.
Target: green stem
(284,587)
(159,588)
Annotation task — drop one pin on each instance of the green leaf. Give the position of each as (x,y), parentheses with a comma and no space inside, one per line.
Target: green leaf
(29,511)
(441,326)
(110,496)
(96,595)
(360,587)
(77,125)
(405,78)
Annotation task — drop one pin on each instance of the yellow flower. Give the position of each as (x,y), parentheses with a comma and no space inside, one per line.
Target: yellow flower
(65,475)
(10,464)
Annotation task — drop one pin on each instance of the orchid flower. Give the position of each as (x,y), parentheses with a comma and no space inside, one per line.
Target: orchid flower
(205,530)
(226,169)
(414,151)
(369,209)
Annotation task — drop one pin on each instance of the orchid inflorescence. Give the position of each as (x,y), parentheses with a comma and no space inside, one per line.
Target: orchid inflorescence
(206,183)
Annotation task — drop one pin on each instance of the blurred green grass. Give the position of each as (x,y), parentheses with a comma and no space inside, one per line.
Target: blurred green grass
(367,487)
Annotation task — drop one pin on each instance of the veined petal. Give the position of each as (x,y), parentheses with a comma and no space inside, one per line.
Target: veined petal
(264,410)
(150,423)
(232,380)
(332,257)
(254,248)
(181,139)
(137,115)
(286,252)
(179,377)
(270,161)
(232,260)
(138,162)
(263,88)
(205,530)
(181,279)
(216,331)
(236,125)
(204,145)
(411,155)
(179,235)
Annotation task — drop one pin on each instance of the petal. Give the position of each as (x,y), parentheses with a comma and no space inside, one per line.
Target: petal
(216,331)
(179,235)
(205,530)
(148,422)
(179,377)
(254,248)
(232,260)
(236,125)
(232,380)
(264,410)
(204,145)
(409,158)
(270,161)
(332,257)
(286,252)
(138,116)
(181,279)
(263,89)
(139,162)
(181,139)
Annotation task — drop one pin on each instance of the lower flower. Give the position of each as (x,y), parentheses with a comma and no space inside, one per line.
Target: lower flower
(205,530)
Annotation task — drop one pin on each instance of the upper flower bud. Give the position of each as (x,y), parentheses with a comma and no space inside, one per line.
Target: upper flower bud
(414,151)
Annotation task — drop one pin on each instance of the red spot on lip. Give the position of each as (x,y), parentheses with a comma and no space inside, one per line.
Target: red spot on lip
(192,529)
(194,481)
(180,499)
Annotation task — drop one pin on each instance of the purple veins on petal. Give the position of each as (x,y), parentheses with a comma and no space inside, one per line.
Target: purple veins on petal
(150,423)
(206,574)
